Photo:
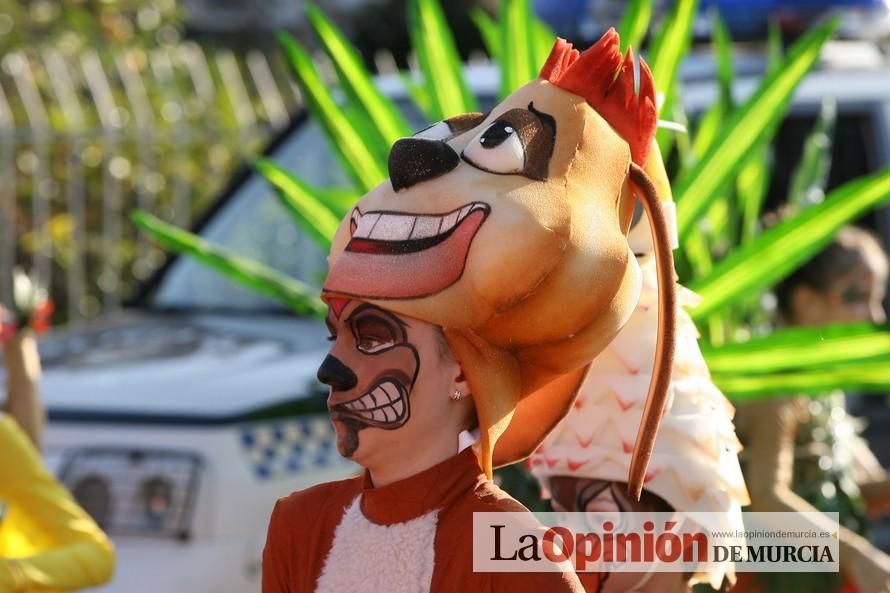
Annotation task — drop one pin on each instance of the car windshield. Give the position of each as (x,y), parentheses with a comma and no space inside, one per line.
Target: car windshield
(254,225)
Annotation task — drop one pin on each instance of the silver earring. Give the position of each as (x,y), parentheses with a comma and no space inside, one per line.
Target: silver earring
(456,395)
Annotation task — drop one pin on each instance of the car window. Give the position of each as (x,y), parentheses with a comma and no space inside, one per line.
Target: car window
(854,152)
(254,225)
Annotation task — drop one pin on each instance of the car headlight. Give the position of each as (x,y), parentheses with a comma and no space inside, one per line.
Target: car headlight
(135,491)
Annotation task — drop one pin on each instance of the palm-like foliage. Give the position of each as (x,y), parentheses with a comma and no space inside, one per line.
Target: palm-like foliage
(719,188)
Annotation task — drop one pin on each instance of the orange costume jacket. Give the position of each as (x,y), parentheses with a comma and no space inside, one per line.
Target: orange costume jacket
(414,535)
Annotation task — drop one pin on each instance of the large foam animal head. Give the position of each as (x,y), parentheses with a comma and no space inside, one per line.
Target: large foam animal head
(509,230)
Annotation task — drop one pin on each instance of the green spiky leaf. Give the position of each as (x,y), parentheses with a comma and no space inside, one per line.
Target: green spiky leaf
(796,349)
(751,187)
(297,296)
(869,377)
(340,201)
(420,94)
(489,30)
(723,48)
(634,24)
(811,174)
(355,80)
(758,118)
(778,251)
(669,46)
(304,206)
(359,160)
(516,61)
(542,40)
(439,61)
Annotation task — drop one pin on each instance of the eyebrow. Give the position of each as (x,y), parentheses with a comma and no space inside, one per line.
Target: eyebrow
(464,122)
(367,307)
(545,118)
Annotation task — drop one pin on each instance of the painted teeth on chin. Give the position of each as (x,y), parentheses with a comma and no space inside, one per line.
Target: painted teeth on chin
(390,398)
(379,397)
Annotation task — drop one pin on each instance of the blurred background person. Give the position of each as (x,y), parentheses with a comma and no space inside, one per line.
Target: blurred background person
(47,542)
(803,454)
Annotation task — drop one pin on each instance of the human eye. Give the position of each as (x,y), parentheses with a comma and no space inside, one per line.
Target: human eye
(374,334)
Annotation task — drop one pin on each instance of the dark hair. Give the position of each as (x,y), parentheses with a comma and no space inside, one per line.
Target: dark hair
(446,353)
(851,247)
(442,343)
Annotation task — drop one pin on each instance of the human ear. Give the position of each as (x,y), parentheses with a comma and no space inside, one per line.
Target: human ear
(459,384)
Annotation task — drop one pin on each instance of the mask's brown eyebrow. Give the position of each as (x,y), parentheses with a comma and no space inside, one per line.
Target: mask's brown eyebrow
(546,119)
(465,121)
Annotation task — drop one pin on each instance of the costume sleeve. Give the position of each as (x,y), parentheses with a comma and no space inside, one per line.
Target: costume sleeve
(73,553)
(274,554)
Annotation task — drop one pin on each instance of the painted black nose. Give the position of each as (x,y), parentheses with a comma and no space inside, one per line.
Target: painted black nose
(336,375)
(413,160)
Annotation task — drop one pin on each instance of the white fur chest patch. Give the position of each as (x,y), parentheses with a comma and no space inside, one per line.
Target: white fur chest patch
(370,558)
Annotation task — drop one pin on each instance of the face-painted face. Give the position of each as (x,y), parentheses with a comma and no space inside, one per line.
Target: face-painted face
(384,372)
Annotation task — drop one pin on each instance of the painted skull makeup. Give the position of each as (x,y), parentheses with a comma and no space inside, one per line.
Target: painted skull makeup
(372,374)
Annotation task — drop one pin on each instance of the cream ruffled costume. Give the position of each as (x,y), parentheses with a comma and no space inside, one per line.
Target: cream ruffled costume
(695,464)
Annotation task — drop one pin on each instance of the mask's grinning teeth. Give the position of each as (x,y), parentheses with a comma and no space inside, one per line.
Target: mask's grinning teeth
(386,226)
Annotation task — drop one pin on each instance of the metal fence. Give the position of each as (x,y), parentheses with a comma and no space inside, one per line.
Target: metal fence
(87,135)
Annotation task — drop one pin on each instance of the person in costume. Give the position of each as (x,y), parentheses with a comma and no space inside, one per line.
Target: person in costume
(804,454)
(582,465)
(47,542)
(472,290)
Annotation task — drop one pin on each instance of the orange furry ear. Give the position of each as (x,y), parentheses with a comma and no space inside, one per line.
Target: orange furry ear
(667,323)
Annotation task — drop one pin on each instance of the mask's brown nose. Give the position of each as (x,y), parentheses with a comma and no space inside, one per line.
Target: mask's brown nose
(413,160)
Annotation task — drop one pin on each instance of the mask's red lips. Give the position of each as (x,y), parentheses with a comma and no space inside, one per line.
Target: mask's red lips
(395,255)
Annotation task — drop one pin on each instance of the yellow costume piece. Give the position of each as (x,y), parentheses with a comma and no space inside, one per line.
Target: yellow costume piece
(47,542)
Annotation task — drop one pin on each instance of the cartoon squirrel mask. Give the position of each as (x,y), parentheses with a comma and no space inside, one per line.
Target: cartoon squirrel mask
(509,230)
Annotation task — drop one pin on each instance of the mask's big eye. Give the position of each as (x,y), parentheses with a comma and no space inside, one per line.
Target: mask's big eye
(439,131)
(519,141)
(498,149)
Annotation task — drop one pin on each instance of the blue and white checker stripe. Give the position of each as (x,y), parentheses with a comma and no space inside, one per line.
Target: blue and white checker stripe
(281,448)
